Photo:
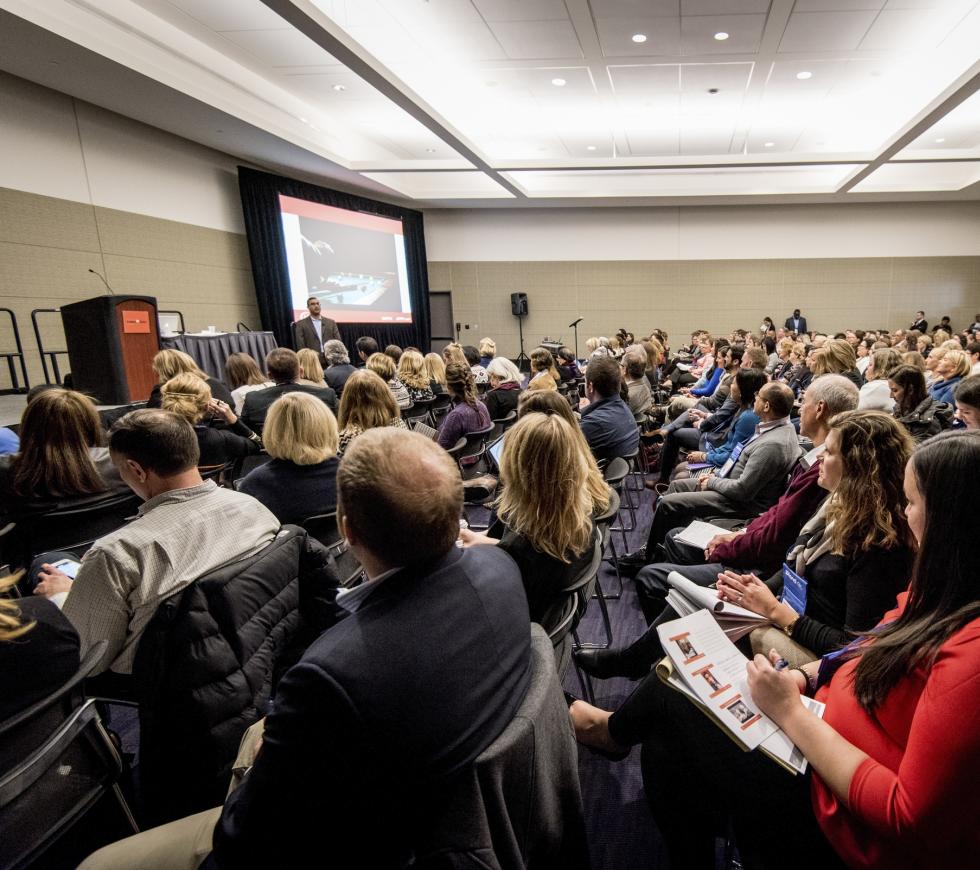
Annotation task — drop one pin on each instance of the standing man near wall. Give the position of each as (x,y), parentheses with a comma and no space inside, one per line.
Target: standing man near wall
(314,331)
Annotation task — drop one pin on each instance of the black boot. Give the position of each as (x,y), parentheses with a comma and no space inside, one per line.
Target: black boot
(606,663)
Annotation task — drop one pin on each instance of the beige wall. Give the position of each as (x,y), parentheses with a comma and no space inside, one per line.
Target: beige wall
(48,244)
(719,295)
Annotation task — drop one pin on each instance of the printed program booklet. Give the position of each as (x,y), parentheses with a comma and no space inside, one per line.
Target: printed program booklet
(687,598)
(703,664)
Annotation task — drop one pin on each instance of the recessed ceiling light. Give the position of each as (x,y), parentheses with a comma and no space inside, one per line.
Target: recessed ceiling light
(769,144)
(590,147)
(303,120)
(339,88)
(804,75)
(639,37)
(721,36)
(430,150)
(559,83)
(939,141)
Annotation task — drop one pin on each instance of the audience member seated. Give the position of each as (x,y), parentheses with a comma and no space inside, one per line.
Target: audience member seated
(243,376)
(186,527)
(282,364)
(863,351)
(800,375)
(453,353)
(784,365)
(367,403)
(371,729)
(339,368)
(897,754)
(950,370)
(544,375)
(967,398)
(597,346)
(473,361)
(435,368)
(973,350)
(189,397)
(366,346)
(300,480)
(540,402)
(61,459)
(415,377)
(395,352)
(310,370)
(639,398)
(607,421)
(38,650)
(836,357)
(9,441)
(383,366)
(505,387)
(915,409)
(683,374)
(567,365)
(741,489)
(875,393)
(711,377)
(169,363)
(546,463)
(468,413)
(488,350)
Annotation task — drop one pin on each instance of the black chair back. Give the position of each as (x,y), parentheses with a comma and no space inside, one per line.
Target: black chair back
(440,407)
(56,762)
(323,527)
(417,410)
(615,472)
(457,448)
(502,424)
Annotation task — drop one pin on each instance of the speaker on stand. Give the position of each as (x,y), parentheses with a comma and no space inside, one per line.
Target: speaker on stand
(518,307)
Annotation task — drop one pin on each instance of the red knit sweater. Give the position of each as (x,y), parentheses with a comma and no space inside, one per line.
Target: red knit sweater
(914,802)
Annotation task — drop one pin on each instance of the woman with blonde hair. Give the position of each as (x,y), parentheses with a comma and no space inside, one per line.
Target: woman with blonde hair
(310,370)
(435,368)
(468,413)
(875,395)
(488,350)
(187,396)
(915,359)
(243,376)
(415,377)
(169,363)
(952,367)
(367,402)
(836,357)
(39,649)
(545,510)
(62,457)
(300,480)
(384,367)
(453,352)
(544,375)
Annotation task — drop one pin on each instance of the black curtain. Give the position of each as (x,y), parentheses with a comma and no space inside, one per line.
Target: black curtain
(267,251)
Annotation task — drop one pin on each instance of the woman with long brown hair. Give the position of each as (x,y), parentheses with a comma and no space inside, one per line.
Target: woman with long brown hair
(915,409)
(242,376)
(62,455)
(366,403)
(468,414)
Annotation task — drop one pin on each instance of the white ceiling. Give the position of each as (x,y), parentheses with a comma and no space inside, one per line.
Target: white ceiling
(463,102)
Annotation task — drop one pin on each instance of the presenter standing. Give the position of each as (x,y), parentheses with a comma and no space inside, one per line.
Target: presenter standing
(314,331)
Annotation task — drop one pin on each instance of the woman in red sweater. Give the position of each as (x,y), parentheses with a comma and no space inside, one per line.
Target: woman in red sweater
(894,762)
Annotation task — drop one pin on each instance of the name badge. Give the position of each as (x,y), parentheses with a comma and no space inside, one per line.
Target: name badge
(732,459)
(794,589)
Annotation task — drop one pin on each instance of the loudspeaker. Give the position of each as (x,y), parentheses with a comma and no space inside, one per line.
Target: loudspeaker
(518,304)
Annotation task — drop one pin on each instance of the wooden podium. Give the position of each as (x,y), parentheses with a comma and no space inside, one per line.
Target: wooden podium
(111,343)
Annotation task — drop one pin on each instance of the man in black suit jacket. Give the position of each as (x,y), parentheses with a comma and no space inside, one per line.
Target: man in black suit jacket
(920,322)
(795,323)
(282,366)
(314,331)
(394,701)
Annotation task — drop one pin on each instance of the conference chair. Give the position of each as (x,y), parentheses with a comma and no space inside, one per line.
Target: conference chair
(615,473)
(456,449)
(603,524)
(519,805)
(56,763)
(417,411)
(324,528)
(501,425)
(440,407)
(473,451)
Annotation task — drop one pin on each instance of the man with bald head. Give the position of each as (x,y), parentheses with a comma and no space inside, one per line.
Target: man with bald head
(401,696)
(751,482)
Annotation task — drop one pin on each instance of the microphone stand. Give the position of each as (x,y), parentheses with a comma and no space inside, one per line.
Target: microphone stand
(574,325)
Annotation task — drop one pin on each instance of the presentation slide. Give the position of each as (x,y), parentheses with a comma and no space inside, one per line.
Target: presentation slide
(353,262)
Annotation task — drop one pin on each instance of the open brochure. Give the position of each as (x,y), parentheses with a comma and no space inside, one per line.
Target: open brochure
(703,664)
(697,534)
(686,598)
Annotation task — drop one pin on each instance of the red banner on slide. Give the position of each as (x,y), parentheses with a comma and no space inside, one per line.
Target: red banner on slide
(315,210)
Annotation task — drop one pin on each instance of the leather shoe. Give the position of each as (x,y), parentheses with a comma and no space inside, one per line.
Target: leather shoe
(605,663)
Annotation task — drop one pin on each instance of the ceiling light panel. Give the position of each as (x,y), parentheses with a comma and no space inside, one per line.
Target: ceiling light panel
(909,177)
(744,34)
(616,36)
(442,185)
(678,183)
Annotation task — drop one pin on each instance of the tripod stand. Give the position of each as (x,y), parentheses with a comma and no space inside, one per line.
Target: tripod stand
(523,361)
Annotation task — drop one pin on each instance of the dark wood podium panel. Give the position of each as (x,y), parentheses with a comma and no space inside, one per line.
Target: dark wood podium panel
(138,347)
(111,343)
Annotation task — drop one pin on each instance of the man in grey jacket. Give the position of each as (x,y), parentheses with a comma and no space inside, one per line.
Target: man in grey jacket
(748,484)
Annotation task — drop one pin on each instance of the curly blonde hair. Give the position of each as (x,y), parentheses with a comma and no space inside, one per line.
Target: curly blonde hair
(169,363)
(186,396)
(412,371)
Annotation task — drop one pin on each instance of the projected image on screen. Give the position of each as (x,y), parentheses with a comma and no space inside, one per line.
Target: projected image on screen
(354,263)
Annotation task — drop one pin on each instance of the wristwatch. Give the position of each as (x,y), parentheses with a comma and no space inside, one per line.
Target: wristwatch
(788,629)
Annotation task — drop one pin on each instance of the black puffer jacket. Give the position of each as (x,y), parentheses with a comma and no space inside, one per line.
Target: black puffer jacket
(208,663)
(928,418)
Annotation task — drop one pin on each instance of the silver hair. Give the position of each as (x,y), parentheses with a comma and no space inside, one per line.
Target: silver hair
(836,392)
(502,368)
(336,353)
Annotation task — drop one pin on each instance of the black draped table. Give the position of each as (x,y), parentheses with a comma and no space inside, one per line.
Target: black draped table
(211,351)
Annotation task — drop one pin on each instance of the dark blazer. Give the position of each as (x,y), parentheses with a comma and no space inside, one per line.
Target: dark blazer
(257,402)
(501,401)
(304,333)
(381,715)
(921,325)
(789,324)
(336,376)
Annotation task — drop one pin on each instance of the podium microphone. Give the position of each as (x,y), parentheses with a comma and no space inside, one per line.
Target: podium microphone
(570,325)
(101,277)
